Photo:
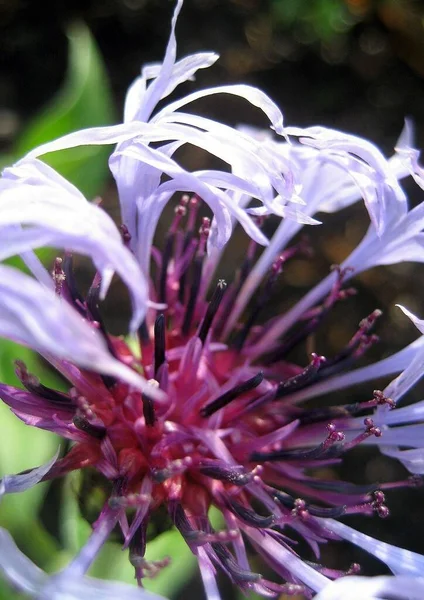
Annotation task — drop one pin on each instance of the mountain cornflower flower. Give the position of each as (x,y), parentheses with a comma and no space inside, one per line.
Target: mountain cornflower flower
(204,407)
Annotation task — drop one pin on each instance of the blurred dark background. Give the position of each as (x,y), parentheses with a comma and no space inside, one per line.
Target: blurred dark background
(356,65)
(353,64)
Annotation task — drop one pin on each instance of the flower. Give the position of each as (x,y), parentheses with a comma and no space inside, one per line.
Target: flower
(204,407)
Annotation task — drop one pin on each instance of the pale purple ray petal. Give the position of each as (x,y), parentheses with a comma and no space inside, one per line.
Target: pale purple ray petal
(382,368)
(183,70)
(328,182)
(373,588)
(413,459)
(243,154)
(360,150)
(253,95)
(158,86)
(353,150)
(406,414)
(86,556)
(297,567)
(406,435)
(17,568)
(55,213)
(37,268)
(399,560)
(249,158)
(31,260)
(218,201)
(88,588)
(419,323)
(33,315)
(92,136)
(207,571)
(26,577)
(398,164)
(400,241)
(11,484)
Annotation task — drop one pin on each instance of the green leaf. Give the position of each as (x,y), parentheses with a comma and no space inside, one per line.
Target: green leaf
(84,101)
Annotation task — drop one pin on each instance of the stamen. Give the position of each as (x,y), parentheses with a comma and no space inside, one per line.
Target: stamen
(193,206)
(261,301)
(232,394)
(235,287)
(197,276)
(125,234)
(375,505)
(180,212)
(143,336)
(354,569)
(92,303)
(71,286)
(195,536)
(299,509)
(148,405)
(166,257)
(411,481)
(315,415)
(358,344)
(370,429)
(236,475)
(92,300)
(137,551)
(333,512)
(333,437)
(212,309)
(129,500)
(299,381)
(283,590)
(96,431)
(32,384)
(248,515)
(240,576)
(344,488)
(176,467)
(159,342)
(314,317)
(58,275)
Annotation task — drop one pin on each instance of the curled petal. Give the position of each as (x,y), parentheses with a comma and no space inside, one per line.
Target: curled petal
(359,153)
(41,208)
(158,87)
(11,484)
(183,70)
(92,136)
(253,95)
(33,315)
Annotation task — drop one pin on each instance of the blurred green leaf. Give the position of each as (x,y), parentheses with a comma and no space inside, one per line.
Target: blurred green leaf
(22,447)
(114,564)
(84,101)
(74,529)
